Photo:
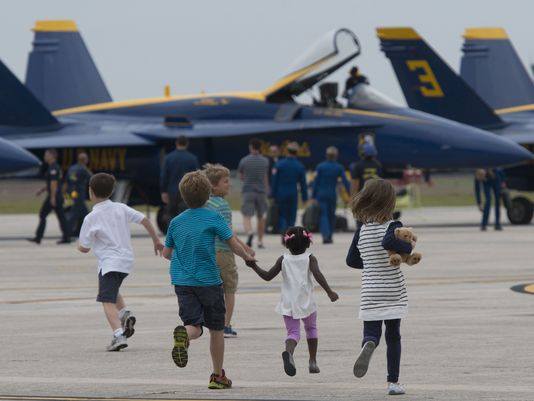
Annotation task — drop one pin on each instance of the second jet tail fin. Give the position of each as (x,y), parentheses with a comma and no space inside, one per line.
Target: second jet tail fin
(491,66)
(429,84)
(61,72)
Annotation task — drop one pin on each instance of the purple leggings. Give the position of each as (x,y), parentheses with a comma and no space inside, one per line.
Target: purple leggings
(293,327)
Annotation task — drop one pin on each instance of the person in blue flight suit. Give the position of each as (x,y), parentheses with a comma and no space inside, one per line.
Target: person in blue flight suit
(491,180)
(327,177)
(78,176)
(288,173)
(53,201)
(177,163)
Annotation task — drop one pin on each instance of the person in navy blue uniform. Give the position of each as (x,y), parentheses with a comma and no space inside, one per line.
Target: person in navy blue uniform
(77,180)
(365,169)
(176,165)
(327,177)
(491,181)
(53,201)
(288,174)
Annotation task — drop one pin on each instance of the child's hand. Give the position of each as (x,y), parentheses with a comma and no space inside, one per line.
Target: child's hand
(158,248)
(250,251)
(333,296)
(251,263)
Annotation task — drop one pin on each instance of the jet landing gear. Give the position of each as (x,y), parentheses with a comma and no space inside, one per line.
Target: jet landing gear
(520,210)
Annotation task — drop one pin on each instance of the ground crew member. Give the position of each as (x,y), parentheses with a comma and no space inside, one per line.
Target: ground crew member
(354,79)
(492,180)
(327,176)
(54,199)
(367,168)
(289,173)
(78,176)
(176,165)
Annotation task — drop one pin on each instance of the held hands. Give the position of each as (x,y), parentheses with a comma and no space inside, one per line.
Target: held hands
(251,263)
(158,248)
(333,296)
(250,251)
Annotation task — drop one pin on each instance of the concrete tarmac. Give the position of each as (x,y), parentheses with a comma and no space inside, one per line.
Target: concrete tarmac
(467,336)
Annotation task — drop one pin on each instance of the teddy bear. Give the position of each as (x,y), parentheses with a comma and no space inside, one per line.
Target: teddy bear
(405,234)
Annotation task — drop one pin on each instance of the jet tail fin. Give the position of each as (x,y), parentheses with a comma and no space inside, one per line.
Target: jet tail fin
(429,84)
(18,106)
(491,66)
(61,72)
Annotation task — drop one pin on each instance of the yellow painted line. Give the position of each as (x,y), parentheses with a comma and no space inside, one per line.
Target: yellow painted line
(50,398)
(485,33)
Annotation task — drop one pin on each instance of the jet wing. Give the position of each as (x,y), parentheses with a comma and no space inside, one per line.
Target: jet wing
(14,158)
(239,128)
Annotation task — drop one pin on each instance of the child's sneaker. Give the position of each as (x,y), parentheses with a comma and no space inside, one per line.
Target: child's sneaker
(181,344)
(289,364)
(313,368)
(117,343)
(128,322)
(229,332)
(395,389)
(219,382)
(362,363)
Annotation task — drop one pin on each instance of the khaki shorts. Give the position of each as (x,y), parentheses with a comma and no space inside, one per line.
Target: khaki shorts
(226,263)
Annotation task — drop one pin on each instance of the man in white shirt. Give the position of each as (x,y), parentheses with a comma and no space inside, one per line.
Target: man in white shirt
(106,230)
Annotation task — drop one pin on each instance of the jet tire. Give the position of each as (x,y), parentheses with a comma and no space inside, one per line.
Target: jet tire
(520,210)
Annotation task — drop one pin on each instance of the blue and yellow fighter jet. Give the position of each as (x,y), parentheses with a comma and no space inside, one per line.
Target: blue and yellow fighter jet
(127,137)
(13,158)
(494,92)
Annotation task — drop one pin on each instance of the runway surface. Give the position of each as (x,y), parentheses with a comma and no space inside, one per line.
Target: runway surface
(468,336)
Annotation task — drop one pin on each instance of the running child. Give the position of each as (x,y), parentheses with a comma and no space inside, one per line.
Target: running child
(297,302)
(383,291)
(190,246)
(106,229)
(219,177)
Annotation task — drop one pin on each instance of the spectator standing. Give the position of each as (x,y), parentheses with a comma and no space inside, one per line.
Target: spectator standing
(367,168)
(78,176)
(491,180)
(254,172)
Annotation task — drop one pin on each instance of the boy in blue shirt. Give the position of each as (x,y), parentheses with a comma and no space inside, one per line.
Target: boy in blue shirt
(190,246)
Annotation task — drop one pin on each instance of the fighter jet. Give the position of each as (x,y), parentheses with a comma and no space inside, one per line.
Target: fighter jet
(127,137)
(494,92)
(13,158)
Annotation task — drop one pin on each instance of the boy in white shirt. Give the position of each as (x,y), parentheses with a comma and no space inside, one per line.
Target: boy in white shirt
(106,229)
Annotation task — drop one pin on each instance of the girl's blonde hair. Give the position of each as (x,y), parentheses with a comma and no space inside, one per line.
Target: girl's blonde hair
(375,203)
(215,172)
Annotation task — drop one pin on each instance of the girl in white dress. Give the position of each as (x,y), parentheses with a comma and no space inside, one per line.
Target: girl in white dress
(384,300)
(297,302)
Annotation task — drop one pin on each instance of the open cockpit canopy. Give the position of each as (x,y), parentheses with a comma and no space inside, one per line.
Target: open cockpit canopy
(328,54)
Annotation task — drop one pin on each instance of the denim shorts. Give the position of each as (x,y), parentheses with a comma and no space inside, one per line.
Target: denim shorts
(201,306)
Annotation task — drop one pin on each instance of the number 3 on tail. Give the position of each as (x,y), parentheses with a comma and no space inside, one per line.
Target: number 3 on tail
(430,87)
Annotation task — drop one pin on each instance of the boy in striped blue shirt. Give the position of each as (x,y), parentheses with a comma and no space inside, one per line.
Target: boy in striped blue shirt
(190,246)
(219,177)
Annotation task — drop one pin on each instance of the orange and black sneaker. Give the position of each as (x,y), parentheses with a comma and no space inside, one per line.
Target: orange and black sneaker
(181,344)
(219,382)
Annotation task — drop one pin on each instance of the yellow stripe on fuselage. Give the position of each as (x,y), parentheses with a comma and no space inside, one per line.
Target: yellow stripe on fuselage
(515,109)
(142,102)
(485,33)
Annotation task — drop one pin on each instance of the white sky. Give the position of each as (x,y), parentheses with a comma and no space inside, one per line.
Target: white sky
(139,46)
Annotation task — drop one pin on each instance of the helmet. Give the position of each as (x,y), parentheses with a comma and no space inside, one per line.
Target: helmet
(369,150)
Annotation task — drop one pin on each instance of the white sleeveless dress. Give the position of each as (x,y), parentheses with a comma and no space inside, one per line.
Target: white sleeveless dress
(383,294)
(297,298)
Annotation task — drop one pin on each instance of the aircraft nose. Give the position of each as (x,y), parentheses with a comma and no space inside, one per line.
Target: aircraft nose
(14,158)
(480,148)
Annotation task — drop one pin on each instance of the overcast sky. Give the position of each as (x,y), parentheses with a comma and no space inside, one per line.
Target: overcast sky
(139,46)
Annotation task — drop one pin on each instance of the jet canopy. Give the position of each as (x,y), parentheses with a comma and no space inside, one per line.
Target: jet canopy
(328,54)
(364,96)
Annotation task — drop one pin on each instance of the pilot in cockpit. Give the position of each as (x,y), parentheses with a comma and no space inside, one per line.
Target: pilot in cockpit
(354,79)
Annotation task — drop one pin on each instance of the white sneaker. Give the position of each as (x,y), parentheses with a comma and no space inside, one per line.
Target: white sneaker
(362,363)
(395,389)
(117,343)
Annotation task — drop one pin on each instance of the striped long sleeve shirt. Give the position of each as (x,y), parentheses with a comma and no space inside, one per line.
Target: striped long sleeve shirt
(383,293)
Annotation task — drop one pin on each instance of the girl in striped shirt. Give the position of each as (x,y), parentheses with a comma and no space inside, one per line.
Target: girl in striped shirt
(383,291)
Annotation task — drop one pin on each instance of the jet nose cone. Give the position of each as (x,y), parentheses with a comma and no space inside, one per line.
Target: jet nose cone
(486,149)
(14,158)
